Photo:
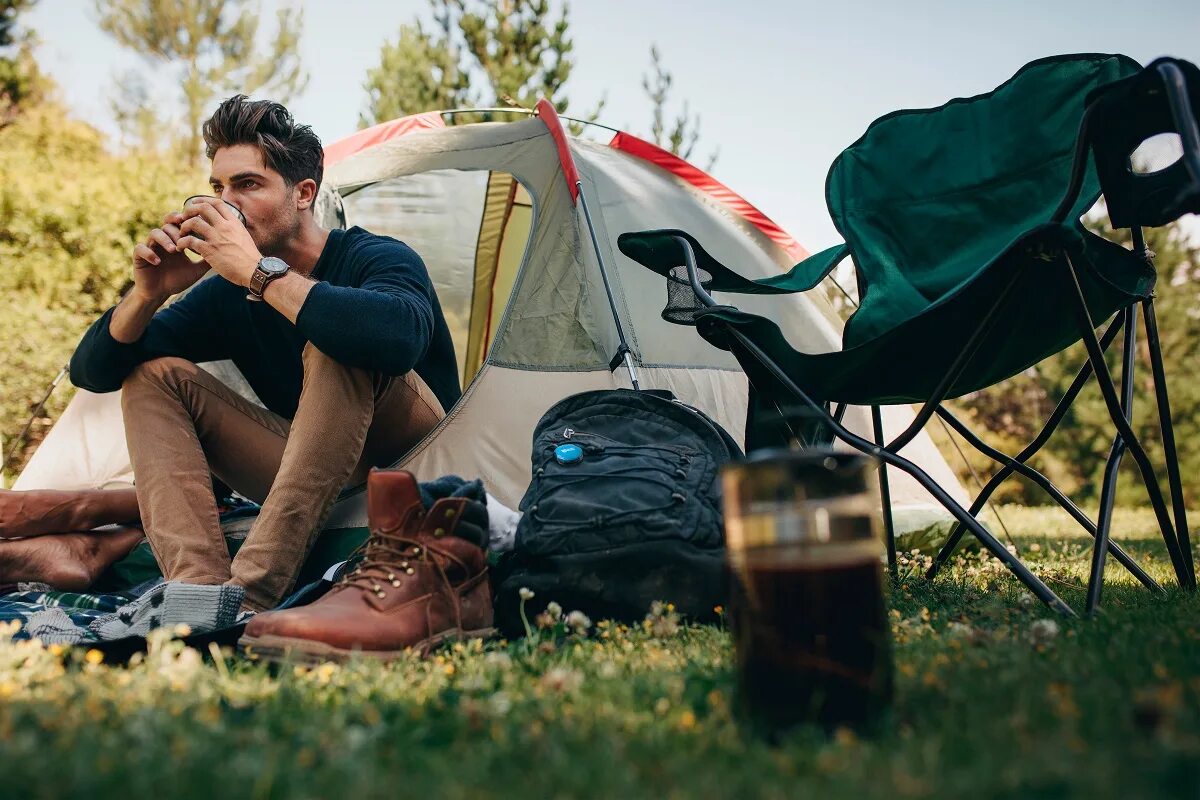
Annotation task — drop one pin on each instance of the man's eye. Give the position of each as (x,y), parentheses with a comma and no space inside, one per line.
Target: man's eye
(247,184)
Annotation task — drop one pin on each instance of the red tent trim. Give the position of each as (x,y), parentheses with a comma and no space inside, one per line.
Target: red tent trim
(547,114)
(639,148)
(377,134)
(710,186)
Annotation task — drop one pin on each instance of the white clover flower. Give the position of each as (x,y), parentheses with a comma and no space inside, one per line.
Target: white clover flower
(554,610)
(579,622)
(500,703)
(959,629)
(1043,631)
(561,679)
(498,660)
(525,593)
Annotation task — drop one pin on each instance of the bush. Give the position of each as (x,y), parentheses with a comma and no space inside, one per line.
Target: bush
(70,213)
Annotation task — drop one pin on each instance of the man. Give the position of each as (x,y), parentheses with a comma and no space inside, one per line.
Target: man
(340,334)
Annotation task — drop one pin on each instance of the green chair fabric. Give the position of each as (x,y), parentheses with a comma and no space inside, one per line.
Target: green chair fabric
(947,213)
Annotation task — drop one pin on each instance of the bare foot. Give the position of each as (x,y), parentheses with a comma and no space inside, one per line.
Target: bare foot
(67,561)
(32,513)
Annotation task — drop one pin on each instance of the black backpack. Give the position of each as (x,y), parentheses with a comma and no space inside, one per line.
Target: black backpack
(624,509)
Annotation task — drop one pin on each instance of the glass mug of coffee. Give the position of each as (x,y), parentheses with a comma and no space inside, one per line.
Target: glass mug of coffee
(807,611)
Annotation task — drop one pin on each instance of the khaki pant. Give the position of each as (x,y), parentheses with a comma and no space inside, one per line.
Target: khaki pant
(182,424)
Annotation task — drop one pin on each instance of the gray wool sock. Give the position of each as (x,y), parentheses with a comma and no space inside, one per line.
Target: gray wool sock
(201,608)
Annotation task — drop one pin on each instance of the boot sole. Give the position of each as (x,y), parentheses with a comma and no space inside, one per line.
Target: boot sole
(307,651)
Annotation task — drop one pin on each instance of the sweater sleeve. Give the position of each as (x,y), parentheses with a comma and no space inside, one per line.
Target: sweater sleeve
(383,326)
(185,329)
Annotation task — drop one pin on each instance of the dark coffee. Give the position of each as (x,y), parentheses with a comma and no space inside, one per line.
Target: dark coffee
(812,640)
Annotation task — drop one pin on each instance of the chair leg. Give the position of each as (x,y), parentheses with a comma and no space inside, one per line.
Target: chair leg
(1168,437)
(1017,465)
(1011,465)
(1108,490)
(885,494)
(1113,404)
(993,545)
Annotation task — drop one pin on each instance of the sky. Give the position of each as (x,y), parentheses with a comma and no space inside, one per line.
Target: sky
(780,87)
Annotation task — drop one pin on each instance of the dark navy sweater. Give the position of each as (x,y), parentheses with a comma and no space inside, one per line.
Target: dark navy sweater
(373,307)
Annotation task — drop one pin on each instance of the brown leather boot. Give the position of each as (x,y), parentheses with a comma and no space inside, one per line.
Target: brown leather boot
(423,580)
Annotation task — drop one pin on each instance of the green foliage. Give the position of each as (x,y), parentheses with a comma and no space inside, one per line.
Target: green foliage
(20,81)
(681,135)
(211,45)
(1012,413)
(495,52)
(70,214)
(418,72)
(524,53)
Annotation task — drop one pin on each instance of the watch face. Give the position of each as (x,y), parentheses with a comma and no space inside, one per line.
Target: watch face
(273,266)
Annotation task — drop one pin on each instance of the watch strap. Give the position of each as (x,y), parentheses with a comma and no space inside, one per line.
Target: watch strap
(259,281)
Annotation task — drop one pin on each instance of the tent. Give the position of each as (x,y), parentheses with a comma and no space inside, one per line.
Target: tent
(492,208)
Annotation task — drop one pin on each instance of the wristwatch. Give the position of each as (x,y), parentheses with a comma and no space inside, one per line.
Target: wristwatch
(269,268)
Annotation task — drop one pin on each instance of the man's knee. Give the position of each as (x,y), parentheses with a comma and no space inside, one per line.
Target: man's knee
(165,371)
(322,370)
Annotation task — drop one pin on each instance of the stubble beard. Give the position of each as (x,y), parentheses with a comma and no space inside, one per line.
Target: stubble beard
(280,237)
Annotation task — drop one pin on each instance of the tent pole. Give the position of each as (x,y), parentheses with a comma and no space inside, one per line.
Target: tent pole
(16,445)
(623,350)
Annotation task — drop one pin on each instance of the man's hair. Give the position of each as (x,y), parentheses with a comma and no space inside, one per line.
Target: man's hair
(292,150)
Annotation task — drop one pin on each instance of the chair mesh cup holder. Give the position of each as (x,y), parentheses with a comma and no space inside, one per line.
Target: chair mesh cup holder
(682,302)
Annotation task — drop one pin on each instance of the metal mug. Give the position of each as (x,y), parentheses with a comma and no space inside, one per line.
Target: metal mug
(191,201)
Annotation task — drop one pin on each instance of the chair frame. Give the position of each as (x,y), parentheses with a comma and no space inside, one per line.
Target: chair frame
(1119,405)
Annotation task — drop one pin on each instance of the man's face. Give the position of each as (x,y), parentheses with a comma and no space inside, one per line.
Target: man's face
(272,208)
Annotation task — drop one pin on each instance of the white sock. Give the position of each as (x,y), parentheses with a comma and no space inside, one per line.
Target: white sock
(502,526)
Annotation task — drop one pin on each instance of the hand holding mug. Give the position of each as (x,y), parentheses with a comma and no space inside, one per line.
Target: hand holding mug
(215,230)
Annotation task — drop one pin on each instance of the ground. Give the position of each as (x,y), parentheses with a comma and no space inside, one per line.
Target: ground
(991,702)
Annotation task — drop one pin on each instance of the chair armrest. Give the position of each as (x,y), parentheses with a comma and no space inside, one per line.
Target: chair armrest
(809,272)
(660,252)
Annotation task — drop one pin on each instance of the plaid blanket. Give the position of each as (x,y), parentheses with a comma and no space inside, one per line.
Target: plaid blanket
(88,618)
(131,597)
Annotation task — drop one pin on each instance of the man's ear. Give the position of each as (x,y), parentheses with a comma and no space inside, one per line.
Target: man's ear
(306,194)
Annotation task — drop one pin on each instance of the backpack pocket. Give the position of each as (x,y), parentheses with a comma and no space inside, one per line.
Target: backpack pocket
(615,493)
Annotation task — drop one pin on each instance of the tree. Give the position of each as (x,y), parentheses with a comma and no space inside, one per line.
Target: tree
(495,52)
(211,45)
(20,80)
(70,213)
(682,134)
(419,72)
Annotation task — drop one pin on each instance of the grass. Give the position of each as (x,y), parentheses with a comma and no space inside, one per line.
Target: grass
(989,704)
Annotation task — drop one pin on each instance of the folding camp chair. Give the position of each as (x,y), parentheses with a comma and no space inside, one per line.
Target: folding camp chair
(968,253)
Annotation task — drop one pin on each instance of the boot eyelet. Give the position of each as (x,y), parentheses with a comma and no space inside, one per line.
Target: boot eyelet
(396,583)
(439,532)
(391,576)
(409,571)
(381,594)
(449,513)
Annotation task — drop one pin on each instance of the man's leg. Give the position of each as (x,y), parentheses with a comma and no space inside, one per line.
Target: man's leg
(39,511)
(181,423)
(342,409)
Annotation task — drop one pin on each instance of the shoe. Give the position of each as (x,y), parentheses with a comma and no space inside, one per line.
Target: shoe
(423,580)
